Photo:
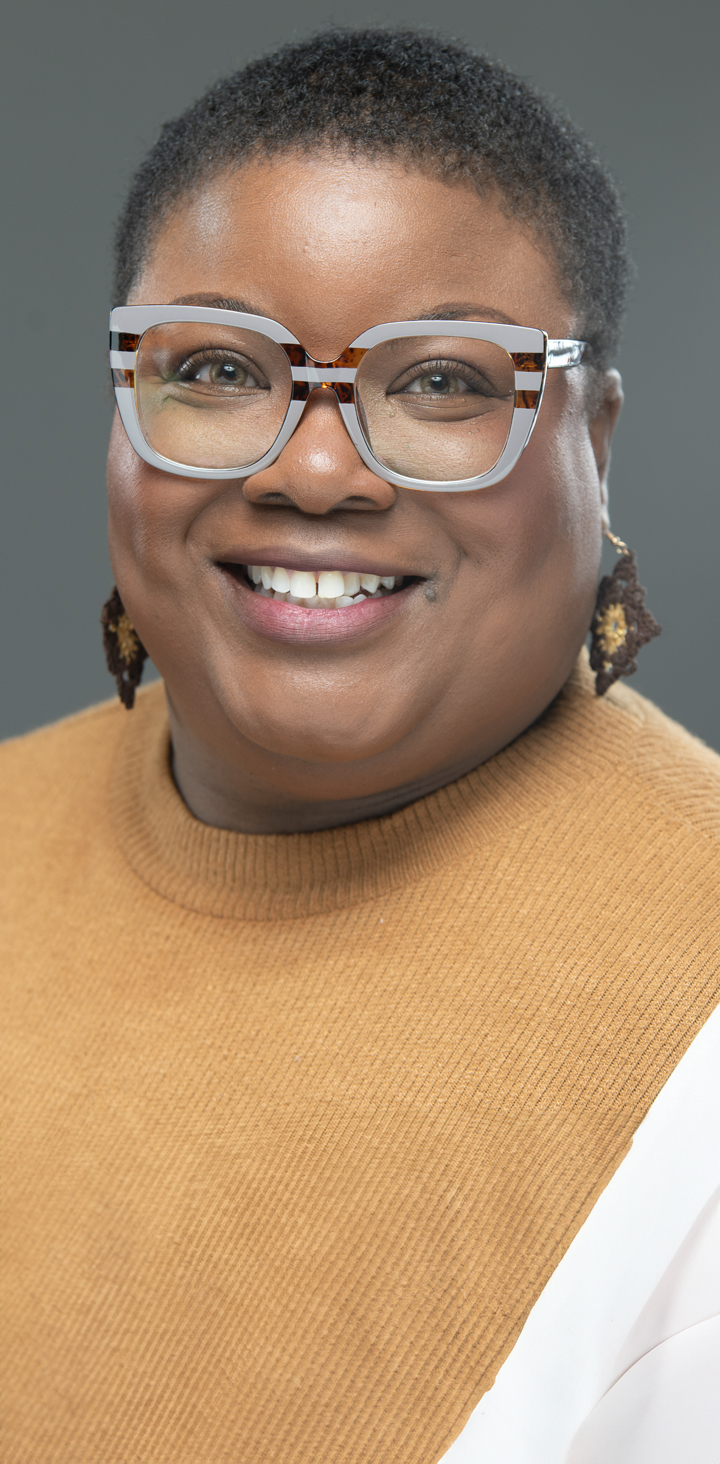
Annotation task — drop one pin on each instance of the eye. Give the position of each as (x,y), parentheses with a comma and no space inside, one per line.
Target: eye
(220,369)
(437,383)
(226,373)
(443,379)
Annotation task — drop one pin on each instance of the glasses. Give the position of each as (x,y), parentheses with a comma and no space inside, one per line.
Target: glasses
(434,404)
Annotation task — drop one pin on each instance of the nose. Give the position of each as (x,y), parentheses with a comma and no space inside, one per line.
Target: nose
(319,470)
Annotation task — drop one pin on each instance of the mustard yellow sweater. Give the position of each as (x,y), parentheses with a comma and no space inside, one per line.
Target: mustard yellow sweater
(297,1127)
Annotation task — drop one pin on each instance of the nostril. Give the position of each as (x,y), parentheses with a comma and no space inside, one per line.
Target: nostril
(311,501)
(276,497)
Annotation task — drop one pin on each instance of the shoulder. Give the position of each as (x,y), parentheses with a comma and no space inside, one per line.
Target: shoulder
(659,771)
(50,777)
(671,769)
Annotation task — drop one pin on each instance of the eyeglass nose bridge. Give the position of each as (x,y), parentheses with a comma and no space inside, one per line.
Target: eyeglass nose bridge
(309,374)
(344,390)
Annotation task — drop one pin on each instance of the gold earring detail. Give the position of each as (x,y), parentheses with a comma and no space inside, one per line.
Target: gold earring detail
(621,624)
(124,651)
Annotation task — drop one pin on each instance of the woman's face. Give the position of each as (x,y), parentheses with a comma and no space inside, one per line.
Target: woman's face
(287,717)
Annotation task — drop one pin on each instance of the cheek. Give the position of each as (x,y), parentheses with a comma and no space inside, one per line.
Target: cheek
(571,463)
(559,495)
(578,508)
(530,547)
(149,517)
(130,511)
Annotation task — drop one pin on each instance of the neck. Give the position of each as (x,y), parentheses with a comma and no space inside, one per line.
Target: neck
(254,805)
(230,782)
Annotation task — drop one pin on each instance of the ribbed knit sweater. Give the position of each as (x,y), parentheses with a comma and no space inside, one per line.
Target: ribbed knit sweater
(298,1127)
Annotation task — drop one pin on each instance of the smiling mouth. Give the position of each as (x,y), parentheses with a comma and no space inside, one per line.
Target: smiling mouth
(325,589)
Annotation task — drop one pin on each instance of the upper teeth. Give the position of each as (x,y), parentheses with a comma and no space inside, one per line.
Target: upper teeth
(328,588)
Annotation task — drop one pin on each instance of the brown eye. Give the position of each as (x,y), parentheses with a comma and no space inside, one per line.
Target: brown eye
(443,378)
(438,383)
(229,374)
(223,373)
(217,369)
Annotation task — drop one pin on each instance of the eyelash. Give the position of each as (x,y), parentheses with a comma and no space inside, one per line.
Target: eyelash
(193,364)
(447,368)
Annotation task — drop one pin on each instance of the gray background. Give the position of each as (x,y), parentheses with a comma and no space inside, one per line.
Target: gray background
(87,84)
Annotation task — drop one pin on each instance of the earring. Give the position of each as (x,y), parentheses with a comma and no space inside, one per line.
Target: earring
(124,651)
(620,625)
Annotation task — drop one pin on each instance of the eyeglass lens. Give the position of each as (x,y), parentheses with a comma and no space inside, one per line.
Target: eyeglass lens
(437,408)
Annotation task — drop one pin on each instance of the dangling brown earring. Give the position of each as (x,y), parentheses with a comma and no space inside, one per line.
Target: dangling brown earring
(124,651)
(621,625)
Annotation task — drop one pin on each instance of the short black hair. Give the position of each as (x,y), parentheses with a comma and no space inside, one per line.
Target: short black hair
(415,95)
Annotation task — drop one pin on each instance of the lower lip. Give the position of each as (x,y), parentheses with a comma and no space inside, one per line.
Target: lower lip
(297,625)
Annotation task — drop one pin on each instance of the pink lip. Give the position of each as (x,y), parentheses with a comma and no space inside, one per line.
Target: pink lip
(294,624)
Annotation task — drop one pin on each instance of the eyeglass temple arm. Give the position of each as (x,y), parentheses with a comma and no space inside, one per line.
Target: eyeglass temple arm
(566,353)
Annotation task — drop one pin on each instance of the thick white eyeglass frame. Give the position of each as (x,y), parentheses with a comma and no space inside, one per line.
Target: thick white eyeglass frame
(532,352)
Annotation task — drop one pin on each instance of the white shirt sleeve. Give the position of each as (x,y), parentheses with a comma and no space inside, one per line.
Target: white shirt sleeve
(619,1358)
(664,1407)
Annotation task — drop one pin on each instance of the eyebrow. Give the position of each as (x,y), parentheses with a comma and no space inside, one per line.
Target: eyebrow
(466,310)
(219,302)
(452,310)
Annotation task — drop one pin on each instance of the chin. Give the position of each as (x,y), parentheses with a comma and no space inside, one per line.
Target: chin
(307,733)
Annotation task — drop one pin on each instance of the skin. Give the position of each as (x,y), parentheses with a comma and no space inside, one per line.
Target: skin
(286,730)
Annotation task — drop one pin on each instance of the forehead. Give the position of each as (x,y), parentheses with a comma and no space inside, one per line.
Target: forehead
(331,246)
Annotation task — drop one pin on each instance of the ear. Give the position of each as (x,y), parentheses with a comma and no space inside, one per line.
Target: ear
(601,426)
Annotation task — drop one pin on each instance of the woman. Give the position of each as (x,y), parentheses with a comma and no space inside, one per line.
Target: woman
(343,970)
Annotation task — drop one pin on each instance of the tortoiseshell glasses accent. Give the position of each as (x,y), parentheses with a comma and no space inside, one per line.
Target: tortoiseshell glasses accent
(446,405)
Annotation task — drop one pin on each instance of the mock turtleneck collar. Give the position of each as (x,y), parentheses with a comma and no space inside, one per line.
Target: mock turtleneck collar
(285,876)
